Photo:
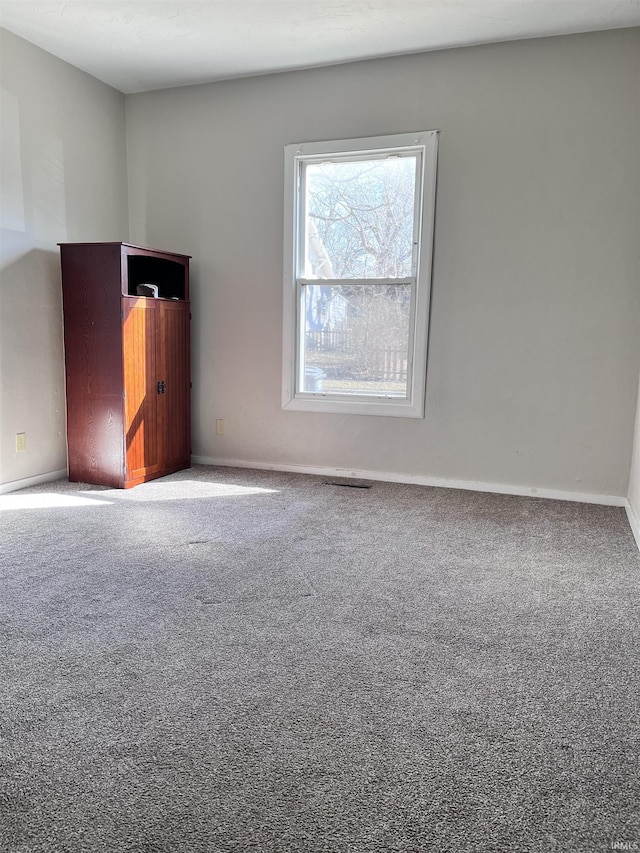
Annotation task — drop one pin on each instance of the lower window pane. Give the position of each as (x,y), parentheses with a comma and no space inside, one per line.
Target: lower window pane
(356,339)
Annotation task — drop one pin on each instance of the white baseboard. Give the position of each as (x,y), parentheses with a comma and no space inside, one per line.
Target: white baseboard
(441,482)
(634,523)
(15,485)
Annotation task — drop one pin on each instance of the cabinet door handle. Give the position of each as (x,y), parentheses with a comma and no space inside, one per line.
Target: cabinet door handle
(160,387)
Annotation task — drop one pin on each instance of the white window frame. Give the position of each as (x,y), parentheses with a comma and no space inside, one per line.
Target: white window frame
(425,145)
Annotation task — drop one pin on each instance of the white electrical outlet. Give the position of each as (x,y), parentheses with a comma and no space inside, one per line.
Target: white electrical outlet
(21,441)
(220,426)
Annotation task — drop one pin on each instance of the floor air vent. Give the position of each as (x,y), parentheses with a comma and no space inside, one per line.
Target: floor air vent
(348,484)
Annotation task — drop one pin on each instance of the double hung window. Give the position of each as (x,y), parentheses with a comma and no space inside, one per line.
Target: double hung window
(358,245)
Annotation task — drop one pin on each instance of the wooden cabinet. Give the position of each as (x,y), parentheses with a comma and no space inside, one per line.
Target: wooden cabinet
(126,361)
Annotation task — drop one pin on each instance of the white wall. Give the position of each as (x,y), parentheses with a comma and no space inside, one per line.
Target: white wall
(634,480)
(63,179)
(533,359)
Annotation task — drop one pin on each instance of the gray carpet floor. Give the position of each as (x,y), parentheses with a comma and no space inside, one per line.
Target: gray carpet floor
(231,660)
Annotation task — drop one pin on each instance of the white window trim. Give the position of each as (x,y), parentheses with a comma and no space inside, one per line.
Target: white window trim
(414,406)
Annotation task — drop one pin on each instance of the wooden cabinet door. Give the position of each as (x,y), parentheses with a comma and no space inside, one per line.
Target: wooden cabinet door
(172,366)
(139,335)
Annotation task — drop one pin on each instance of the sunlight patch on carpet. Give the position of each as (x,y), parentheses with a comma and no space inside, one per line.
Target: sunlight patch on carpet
(46,501)
(183,490)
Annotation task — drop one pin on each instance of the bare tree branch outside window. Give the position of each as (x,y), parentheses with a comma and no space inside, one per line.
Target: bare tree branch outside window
(363,212)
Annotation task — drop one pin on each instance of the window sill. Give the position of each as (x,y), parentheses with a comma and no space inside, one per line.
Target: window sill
(340,406)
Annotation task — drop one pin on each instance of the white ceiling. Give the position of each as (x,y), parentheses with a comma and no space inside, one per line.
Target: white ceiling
(139,45)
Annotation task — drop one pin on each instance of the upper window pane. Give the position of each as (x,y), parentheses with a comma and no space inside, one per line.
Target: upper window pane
(359,218)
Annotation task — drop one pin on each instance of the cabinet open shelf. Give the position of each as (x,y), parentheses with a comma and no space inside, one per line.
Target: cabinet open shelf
(167,275)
